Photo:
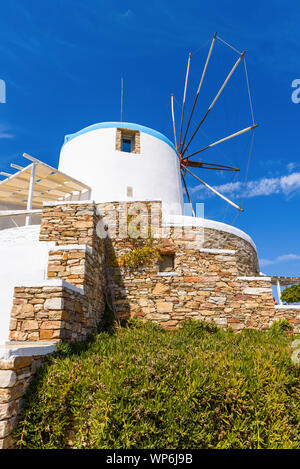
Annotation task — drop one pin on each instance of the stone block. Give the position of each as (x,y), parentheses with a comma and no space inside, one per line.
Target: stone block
(54,303)
(164,307)
(51,325)
(8,378)
(6,427)
(160,288)
(7,443)
(8,410)
(46,334)
(256,291)
(30,325)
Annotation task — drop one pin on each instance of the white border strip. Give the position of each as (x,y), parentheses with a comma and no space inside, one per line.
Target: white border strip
(71,247)
(218,251)
(68,202)
(29,349)
(73,202)
(182,220)
(264,279)
(287,306)
(51,283)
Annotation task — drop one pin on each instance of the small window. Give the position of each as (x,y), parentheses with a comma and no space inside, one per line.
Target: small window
(129,191)
(127,144)
(167,263)
(128,141)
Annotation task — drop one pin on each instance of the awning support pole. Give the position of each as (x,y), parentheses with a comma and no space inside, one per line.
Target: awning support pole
(30,193)
(279,292)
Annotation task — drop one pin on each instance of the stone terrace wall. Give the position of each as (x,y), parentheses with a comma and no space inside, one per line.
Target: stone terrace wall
(49,313)
(206,282)
(69,305)
(204,285)
(79,257)
(16,373)
(69,223)
(84,268)
(289,312)
(117,216)
(86,265)
(53,312)
(246,256)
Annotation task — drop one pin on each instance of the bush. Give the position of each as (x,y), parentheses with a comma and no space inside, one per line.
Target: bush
(145,387)
(279,327)
(291,294)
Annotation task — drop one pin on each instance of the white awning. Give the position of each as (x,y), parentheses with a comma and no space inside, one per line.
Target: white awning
(284,281)
(49,185)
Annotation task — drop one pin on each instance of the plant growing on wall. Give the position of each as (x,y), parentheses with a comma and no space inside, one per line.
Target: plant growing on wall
(291,294)
(144,253)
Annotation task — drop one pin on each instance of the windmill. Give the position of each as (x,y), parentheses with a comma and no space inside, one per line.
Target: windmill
(183,143)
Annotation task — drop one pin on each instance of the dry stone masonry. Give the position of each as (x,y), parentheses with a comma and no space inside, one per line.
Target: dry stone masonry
(214,277)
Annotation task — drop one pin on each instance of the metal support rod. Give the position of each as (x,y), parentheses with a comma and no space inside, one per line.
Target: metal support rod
(279,292)
(30,193)
(215,99)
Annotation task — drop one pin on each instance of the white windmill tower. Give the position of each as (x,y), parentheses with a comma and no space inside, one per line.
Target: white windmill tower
(123,161)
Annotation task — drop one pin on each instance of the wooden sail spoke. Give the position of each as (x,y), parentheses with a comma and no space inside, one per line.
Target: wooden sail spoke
(198,90)
(173,119)
(184,96)
(224,139)
(201,164)
(187,192)
(215,100)
(215,191)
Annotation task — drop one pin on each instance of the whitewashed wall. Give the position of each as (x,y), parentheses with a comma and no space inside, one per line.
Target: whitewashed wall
(22,259)
(91,156)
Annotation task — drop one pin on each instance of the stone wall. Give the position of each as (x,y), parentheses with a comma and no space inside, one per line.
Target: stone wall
(55,312)
(84,268)
(246,256)
(214,293)
(50,313)
(215,274)
(117,216)
(70,223)
(16,373)
(215,278)
(67,306)
(289,312)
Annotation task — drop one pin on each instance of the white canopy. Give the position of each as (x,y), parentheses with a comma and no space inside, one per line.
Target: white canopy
(38,183)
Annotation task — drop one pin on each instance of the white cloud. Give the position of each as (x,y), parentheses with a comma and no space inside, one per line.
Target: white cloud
(126,14)
(291,166)
(4,133)
(286,185)
(278,259)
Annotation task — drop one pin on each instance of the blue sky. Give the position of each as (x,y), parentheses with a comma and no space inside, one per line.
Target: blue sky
(62,62)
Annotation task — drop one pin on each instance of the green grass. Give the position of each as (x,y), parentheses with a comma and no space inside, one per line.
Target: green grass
(144,387)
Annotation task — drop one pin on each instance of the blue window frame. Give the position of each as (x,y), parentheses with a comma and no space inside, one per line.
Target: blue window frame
(127,144)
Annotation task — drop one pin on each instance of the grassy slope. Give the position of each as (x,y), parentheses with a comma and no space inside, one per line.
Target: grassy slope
(144,387)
